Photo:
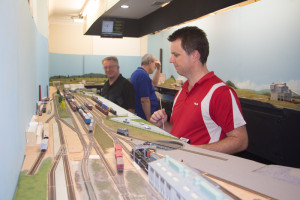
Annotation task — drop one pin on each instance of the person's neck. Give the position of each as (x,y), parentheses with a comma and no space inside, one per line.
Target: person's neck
(196,75)
(113,79)
(146,68)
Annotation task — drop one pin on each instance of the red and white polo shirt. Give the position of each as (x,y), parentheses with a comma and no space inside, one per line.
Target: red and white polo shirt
(206,113)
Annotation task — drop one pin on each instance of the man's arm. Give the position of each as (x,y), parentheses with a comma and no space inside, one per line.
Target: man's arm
(236,141)
(156,75)
(128,96)
(159,118)
(146,105)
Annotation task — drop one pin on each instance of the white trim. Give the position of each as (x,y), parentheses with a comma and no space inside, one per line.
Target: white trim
(213,129)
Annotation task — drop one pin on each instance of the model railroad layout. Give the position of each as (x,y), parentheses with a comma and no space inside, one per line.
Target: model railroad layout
(80,110)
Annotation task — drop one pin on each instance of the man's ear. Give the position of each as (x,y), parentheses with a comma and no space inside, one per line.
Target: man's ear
(196,55)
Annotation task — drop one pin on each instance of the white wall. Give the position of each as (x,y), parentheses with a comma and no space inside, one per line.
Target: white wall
(116,46)
(69,39)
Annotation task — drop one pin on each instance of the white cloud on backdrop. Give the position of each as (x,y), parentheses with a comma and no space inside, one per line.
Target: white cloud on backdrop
(294,85)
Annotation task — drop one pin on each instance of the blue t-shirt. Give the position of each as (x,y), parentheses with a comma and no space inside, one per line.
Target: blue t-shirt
(143,87)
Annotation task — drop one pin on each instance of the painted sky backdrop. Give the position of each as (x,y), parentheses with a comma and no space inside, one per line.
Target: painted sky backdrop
(252,46)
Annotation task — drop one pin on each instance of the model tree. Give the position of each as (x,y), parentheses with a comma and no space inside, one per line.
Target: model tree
(63,106)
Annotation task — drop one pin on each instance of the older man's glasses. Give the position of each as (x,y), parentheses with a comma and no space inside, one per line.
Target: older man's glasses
(109,67)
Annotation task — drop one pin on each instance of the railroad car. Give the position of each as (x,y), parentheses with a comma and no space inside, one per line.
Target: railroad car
(44,108)
(104,106)
(46,133)
(123,131)
(84,116)
(89,115)
(73,107)
(91,125)
(76,104)
(89,106)
(104,111)
(111,110)
(44,144)
(143,154)
(119,157)
(96,99)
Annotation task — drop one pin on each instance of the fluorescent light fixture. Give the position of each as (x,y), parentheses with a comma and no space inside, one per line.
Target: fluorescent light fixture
(78,20)
(124,6)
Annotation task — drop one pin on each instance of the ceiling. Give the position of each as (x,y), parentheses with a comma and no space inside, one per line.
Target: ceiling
(63,11)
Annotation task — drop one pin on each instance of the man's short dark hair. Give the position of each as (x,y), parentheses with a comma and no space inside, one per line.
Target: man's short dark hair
(192,38)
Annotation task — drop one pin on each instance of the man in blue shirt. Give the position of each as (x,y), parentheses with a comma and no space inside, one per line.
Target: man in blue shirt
(145,97)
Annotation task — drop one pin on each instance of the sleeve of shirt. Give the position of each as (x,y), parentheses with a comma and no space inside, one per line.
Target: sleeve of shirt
(225,109)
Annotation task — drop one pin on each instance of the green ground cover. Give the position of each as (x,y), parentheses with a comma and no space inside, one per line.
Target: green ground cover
(61,112)
(74,80)
(35,186)
(102,138)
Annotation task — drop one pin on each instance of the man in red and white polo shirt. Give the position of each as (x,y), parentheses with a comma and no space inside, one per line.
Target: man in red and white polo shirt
(206,110)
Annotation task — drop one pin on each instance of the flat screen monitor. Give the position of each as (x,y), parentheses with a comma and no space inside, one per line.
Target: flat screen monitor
(112,28)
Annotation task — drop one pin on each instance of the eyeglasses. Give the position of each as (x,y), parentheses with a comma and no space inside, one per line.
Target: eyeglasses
(109,67)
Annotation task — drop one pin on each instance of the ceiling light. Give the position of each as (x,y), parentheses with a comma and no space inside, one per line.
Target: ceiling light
(79,20)
(124,6)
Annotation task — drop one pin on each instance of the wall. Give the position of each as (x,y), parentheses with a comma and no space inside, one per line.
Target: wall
(73,53)
(24,65)
(252,46)
(66,64)
(69,39)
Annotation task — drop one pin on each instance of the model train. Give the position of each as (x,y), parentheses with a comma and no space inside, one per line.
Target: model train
(91,125)
(84,116)
(119,158)
(123,131)
(101,104)
(104,111)
(45,135)
(89,106)
(143,154)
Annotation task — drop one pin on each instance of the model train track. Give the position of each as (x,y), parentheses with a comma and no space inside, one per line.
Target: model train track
(36,163)
(51,175)
(62,154)
(117,179)
(87,149)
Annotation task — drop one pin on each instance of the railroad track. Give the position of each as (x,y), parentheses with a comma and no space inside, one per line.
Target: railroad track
(36,163)
(62,154)
(87,149)
(117,178)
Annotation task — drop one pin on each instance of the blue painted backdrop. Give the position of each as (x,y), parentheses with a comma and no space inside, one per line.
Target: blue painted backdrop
(24,66)
(252,46)
(67,64)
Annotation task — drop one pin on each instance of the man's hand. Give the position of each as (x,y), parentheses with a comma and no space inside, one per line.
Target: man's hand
(157,65)
(159,117)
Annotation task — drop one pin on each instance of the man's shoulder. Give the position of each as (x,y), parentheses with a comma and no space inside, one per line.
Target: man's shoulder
(139,75)
(106,84)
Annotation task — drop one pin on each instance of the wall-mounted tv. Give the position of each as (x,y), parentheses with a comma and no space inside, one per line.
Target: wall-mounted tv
(112,28)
